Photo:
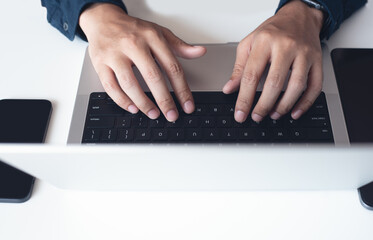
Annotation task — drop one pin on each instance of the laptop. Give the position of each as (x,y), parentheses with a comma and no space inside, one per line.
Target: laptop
(216,166)
(213,121)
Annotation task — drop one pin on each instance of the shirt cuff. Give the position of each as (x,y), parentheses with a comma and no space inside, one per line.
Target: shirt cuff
(336,11)
(64,15)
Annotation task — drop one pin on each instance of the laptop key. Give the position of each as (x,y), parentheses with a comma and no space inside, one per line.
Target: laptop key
(98,95)
(298,134)
(194,134)
(280,135)
(125,135)
(211,134)
(109,135)
(176,135)
(207,122)
(229,134)
(320,134)
(246,134)
(100,122)
(91,135)
(225,122)
(124,122)
(159,134)
(142,135)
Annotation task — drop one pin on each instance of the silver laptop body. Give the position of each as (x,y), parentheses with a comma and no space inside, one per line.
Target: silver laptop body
(163,167)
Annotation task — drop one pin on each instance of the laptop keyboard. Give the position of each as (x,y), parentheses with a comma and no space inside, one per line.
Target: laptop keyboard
(211,122)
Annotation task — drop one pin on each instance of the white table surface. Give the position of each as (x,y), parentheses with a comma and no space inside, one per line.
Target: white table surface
(36,61)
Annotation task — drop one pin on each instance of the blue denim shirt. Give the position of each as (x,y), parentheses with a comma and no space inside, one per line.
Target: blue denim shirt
(337,12)
(64,14)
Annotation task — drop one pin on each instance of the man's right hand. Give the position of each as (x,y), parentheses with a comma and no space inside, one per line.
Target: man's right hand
(118,41)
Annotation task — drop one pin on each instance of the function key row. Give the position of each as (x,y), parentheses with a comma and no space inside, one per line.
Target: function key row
(136,121)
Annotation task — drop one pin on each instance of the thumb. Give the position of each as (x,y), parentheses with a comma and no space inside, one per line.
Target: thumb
(181,48)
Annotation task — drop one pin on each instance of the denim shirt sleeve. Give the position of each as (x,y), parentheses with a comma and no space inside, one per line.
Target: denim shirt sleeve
(64,14)
(337,11)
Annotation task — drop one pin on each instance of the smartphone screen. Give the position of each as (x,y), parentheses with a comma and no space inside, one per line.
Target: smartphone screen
(21,121)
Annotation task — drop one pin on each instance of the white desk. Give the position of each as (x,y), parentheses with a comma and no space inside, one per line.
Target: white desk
(38,62)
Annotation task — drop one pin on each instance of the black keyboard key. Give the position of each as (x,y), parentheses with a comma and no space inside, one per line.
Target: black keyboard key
(211,134)
(101,108)
(192,122)
(254,124)
(225,122)
(315,121)
(200,109)
(91,135)
(194,134)
(290,122)
(215,109)
(275,123)
(246,134)
(157,123)
(98,95)
(262,135)
(281,135)
(140,121)
(142,135)
(228,110)
(109,135)
(320,134)
(100,122)
(207,122)
(176,135)
(159,134)
(125,135)
(318,108)
(177,124)
(229,134)
(124,122)
(298,134)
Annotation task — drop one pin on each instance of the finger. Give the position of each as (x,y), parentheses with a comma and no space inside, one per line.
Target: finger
(111,86)
(181,48)
(254,68)
(273,85)
(295,88)
(175,74)
(156,83)
(314,87)
(242,54)
(130,85)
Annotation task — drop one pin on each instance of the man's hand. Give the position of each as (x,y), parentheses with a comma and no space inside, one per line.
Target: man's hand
(118,41)
(288,40)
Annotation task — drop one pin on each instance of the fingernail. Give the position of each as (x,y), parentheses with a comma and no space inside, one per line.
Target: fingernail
(133,109)
(297,114)
(172,115)
(239,116)
(188,106)
(225,88)
(153,114)
(256,117)
(275,115)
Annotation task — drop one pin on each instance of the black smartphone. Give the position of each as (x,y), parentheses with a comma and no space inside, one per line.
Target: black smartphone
(366,195)
(21,121)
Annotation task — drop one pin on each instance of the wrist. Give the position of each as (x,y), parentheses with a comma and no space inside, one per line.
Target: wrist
(97,14)
(300,10)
